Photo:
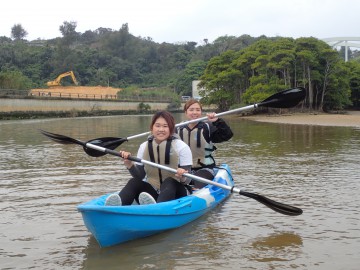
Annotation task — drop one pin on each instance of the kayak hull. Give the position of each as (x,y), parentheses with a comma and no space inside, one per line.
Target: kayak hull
(111,225)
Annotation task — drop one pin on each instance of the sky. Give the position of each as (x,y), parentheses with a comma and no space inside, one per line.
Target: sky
(187,20)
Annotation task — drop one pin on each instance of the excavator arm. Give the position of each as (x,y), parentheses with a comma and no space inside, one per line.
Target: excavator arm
(57,81)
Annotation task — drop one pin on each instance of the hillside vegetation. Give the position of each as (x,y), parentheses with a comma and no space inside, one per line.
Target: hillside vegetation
(232,70)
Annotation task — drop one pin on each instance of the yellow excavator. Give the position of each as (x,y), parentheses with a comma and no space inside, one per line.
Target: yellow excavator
(57,81)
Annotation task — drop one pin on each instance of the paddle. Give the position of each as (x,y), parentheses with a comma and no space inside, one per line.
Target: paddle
(284,99)
(276,206)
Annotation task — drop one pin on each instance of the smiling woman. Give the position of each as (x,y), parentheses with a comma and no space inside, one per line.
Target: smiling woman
(201,136)
(148,182)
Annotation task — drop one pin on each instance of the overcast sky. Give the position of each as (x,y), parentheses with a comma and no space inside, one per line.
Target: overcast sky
(187,20)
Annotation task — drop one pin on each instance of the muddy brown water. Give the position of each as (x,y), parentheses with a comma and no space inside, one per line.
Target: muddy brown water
(315,168)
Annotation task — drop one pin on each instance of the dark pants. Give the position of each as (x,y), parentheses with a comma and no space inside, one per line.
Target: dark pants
(132,190)
(204,173)
(171,189)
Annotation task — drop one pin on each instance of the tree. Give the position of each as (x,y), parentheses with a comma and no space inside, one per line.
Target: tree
(238,69)
(88,37)
(14,80)
(181,58)
(282,60)
(338,92)
(220,81)
(18,32)
(67,29)
(192,72)
(5,40)
(307,53)
(355,82)
(269,66)
(331,60)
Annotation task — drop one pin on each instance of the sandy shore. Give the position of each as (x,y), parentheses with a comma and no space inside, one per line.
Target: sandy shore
(350,119)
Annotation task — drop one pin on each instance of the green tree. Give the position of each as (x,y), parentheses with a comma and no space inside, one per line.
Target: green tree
(306,52)
(282,60)
(142,107)
(269,66)
(14,80)
(330,63)
(220,81)
(354,68)
(181,58)
(193,71)
(68,30)
(238,70)
(18,32)
(338,92)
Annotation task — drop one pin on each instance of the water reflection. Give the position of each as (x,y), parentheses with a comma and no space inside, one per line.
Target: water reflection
(277,247)
(290,139)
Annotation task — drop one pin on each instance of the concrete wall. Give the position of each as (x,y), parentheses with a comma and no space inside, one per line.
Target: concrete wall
(46,105)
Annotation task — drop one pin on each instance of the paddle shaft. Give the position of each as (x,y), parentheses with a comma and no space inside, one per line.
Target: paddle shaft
(283,99)
(246,108)
(118,141)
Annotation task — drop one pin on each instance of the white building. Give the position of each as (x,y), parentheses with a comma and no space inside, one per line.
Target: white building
(196,89)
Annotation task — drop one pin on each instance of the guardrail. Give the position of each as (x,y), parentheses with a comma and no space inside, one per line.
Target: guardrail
(10,93)
(13,93)
(70,95)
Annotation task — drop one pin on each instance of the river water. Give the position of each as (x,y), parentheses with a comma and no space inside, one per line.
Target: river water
(315,168)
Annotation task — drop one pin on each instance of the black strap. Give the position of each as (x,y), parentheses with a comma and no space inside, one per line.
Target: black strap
(167,151)
(181,134)
(151,150)
(198,139)
(160,174)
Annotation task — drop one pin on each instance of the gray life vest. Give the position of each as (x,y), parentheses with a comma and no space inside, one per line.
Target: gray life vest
(198,139)
(165,154)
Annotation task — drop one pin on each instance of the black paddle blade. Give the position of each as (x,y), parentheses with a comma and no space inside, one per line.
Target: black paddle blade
(61,138)
(106,142)
(276,206)
(285,99)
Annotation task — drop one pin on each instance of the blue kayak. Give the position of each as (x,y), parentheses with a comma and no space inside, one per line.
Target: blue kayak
(111,225)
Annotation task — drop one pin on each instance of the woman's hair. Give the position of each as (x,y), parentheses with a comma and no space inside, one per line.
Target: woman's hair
(168,118)
(191,102)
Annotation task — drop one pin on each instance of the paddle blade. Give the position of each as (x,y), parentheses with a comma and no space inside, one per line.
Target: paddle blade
(61,138)
(106,142)
(285,99)
(276,206)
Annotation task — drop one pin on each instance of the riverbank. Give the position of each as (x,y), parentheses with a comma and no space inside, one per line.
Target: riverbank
(33,108)
(348,119)
(66,114)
